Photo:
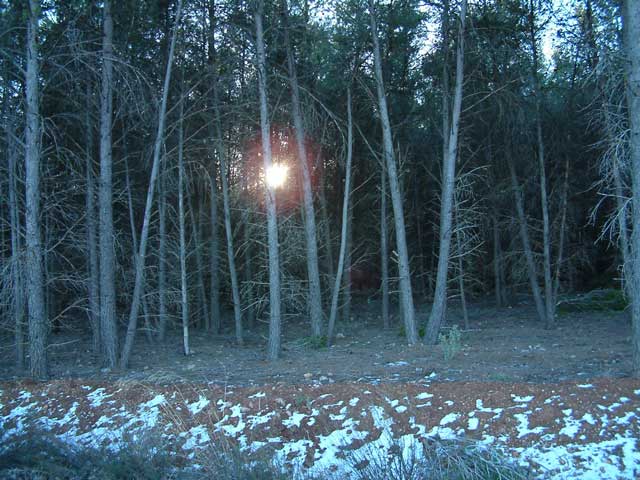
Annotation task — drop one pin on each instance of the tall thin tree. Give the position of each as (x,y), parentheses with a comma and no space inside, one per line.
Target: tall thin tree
(33,262)
(448,181)
(142,249)
(273,348)
(313,270)
(108,331)
(404,271)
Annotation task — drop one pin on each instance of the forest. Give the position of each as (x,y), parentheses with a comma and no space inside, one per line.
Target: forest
(318,192)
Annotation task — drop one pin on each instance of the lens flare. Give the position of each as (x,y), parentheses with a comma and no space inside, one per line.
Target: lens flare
(276,175)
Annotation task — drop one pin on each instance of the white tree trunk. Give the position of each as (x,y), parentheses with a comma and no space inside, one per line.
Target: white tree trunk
(273,348)
(343,235)
(448,186)
(549,302)
(184,301)
(404,271)
(140,260)
(313,271)
(33,263)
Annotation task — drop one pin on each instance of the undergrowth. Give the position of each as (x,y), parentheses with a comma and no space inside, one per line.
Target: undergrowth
(39,455)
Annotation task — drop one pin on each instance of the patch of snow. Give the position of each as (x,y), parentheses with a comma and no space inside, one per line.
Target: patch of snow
(449,418)
(585,385)
(195,437)
(523,425)
(424,396)
(354,401)
(197,407)
(97,397)
(258,395)
(518,399)
(401,363)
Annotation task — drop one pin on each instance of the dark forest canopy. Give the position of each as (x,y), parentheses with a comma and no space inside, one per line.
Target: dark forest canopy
(423,151)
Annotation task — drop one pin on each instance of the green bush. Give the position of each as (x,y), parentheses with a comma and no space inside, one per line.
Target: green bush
(610,300)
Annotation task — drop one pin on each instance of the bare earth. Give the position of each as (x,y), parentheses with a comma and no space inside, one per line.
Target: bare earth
(555,401)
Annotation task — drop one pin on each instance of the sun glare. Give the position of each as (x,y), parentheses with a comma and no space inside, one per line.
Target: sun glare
(276,175)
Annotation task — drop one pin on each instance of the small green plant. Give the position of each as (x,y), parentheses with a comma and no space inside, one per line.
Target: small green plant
(316,342)
(451,343)
(402,332)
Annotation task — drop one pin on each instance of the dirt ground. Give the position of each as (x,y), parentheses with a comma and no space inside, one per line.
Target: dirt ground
(504,345)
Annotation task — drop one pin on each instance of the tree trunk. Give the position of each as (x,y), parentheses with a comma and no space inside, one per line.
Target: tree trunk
(33,262)
(546,234)
(214,258)
(231,256)
(313,271)
(561,234)
(526,243)
(93,273)
(345,310)
(448,186)
(108,328)
(632,33)
(459,254)
(184,301)
(404,272)
(140,260)
(18,299)
(273,347)
(214,254)
(343,235)
(384,249)
(497,261)
(162,252)
(134,240)
(204,319)
(324,214)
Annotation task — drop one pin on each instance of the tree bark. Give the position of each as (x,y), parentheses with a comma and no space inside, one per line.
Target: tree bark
(526,243)
(33,263)
(549,303)
(108,328)
(184,301)
(17,261)
(343,235)
(226,204)
(448,186)
(214,255)
(162,252)
(313,271)
(140,260)
(632,26)
(384,249)
(273,347)
(404,271)
(93,273)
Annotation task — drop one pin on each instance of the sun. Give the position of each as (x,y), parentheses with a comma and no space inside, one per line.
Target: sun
(276,175)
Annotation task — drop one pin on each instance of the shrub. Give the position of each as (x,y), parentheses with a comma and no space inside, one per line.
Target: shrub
(434,459)
(451,343)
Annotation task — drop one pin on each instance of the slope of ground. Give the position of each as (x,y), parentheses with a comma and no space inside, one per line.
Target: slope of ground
(563,430)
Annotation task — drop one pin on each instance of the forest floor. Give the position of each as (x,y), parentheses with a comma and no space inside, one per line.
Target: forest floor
(555,401)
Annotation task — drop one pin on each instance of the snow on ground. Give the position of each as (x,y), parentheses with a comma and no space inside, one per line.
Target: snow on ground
(561,430)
